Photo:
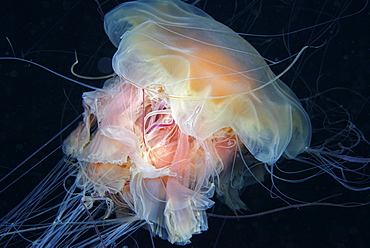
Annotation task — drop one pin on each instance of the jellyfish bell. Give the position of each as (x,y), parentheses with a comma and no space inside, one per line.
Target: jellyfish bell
(187,116)
(209,72)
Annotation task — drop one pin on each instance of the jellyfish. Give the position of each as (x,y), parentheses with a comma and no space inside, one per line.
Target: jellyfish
(183,103)
(193,112)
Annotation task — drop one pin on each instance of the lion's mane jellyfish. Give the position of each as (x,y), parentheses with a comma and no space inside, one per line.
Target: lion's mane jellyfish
(190,96)
(194,111)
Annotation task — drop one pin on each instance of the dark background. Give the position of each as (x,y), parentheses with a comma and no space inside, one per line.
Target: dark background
(36,105)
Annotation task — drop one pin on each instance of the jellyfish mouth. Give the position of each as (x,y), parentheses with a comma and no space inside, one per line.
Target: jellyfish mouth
(138,157)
